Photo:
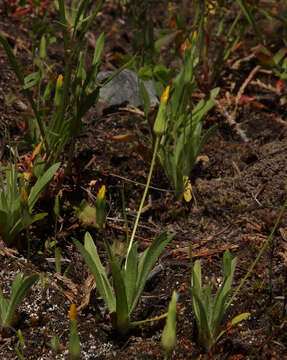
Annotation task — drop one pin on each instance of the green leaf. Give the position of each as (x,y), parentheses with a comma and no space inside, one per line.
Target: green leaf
(12,59)
(146,263)
(19,290)
(130,273)
(40,185)
(145,97)
(162,74)
(166,39)
(247,12)
(168,338)
(31,80)
(87,214)
(196,288)
(202,319)
(226,263)
(43,47)
(74,341)
(99,49)
(220,305)
(90,254)
(204,106)
(237,319)
(145,73)
(122,311)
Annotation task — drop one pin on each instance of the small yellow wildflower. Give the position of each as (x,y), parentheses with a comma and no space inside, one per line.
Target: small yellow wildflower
(59,81)
(102,192)
(165,95)
(187,189)
(212,7)
(169,6)
(37,150)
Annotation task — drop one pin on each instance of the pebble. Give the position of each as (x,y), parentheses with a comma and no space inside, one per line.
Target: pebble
(124,89)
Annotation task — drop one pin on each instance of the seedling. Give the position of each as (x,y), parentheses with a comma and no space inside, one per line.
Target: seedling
(17,200)
(168,338)
(129,277)
(8,307)
(209,311)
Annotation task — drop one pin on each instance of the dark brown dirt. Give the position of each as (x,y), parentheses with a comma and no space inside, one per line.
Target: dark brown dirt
(238,190)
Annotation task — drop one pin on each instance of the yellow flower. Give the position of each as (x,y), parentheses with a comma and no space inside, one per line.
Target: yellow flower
(73,312)
(27,175)
(187,194)
(37,150)
(169,6)
(186,45)
(165,95)
(59,81)
(212,7)
(102,192)
(101,208)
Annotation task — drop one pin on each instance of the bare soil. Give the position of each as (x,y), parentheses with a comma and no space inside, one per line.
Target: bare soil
(238,189)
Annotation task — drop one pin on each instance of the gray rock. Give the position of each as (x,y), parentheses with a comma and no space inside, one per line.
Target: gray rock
(124,88)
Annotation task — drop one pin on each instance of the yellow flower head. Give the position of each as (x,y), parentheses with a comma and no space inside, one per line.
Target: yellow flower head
(59,81)
(169,6)
(186,45)
(165,95)
(73,312)
(212,7)
(102,192)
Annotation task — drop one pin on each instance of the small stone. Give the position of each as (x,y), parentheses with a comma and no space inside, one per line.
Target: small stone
(124,89)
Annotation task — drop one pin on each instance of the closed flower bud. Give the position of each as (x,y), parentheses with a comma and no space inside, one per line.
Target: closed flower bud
(160,121)
(59,88)
(73,313)
(101,207)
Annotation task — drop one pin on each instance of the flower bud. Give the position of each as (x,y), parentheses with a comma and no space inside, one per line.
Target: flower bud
(160,121)
(101,207)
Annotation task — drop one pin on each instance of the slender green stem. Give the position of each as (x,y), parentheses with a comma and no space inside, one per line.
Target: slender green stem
(259,254)
(125,216)
(144,196)
(141,322)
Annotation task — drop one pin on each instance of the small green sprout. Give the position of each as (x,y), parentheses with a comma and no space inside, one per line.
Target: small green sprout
(8,307)
(209,311)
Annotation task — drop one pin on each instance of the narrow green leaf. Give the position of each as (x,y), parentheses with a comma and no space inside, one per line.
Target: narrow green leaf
(204,106)
(246,11)
(19,292)
(31,80)
(131,275)
(74,341)
(92,259)
(40,185)
(99,49)
(43,47)
(168,338)
(237,319)
(145,97)
(122,311)
(146,263)
(226,263)
(12,59)
(202,319)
